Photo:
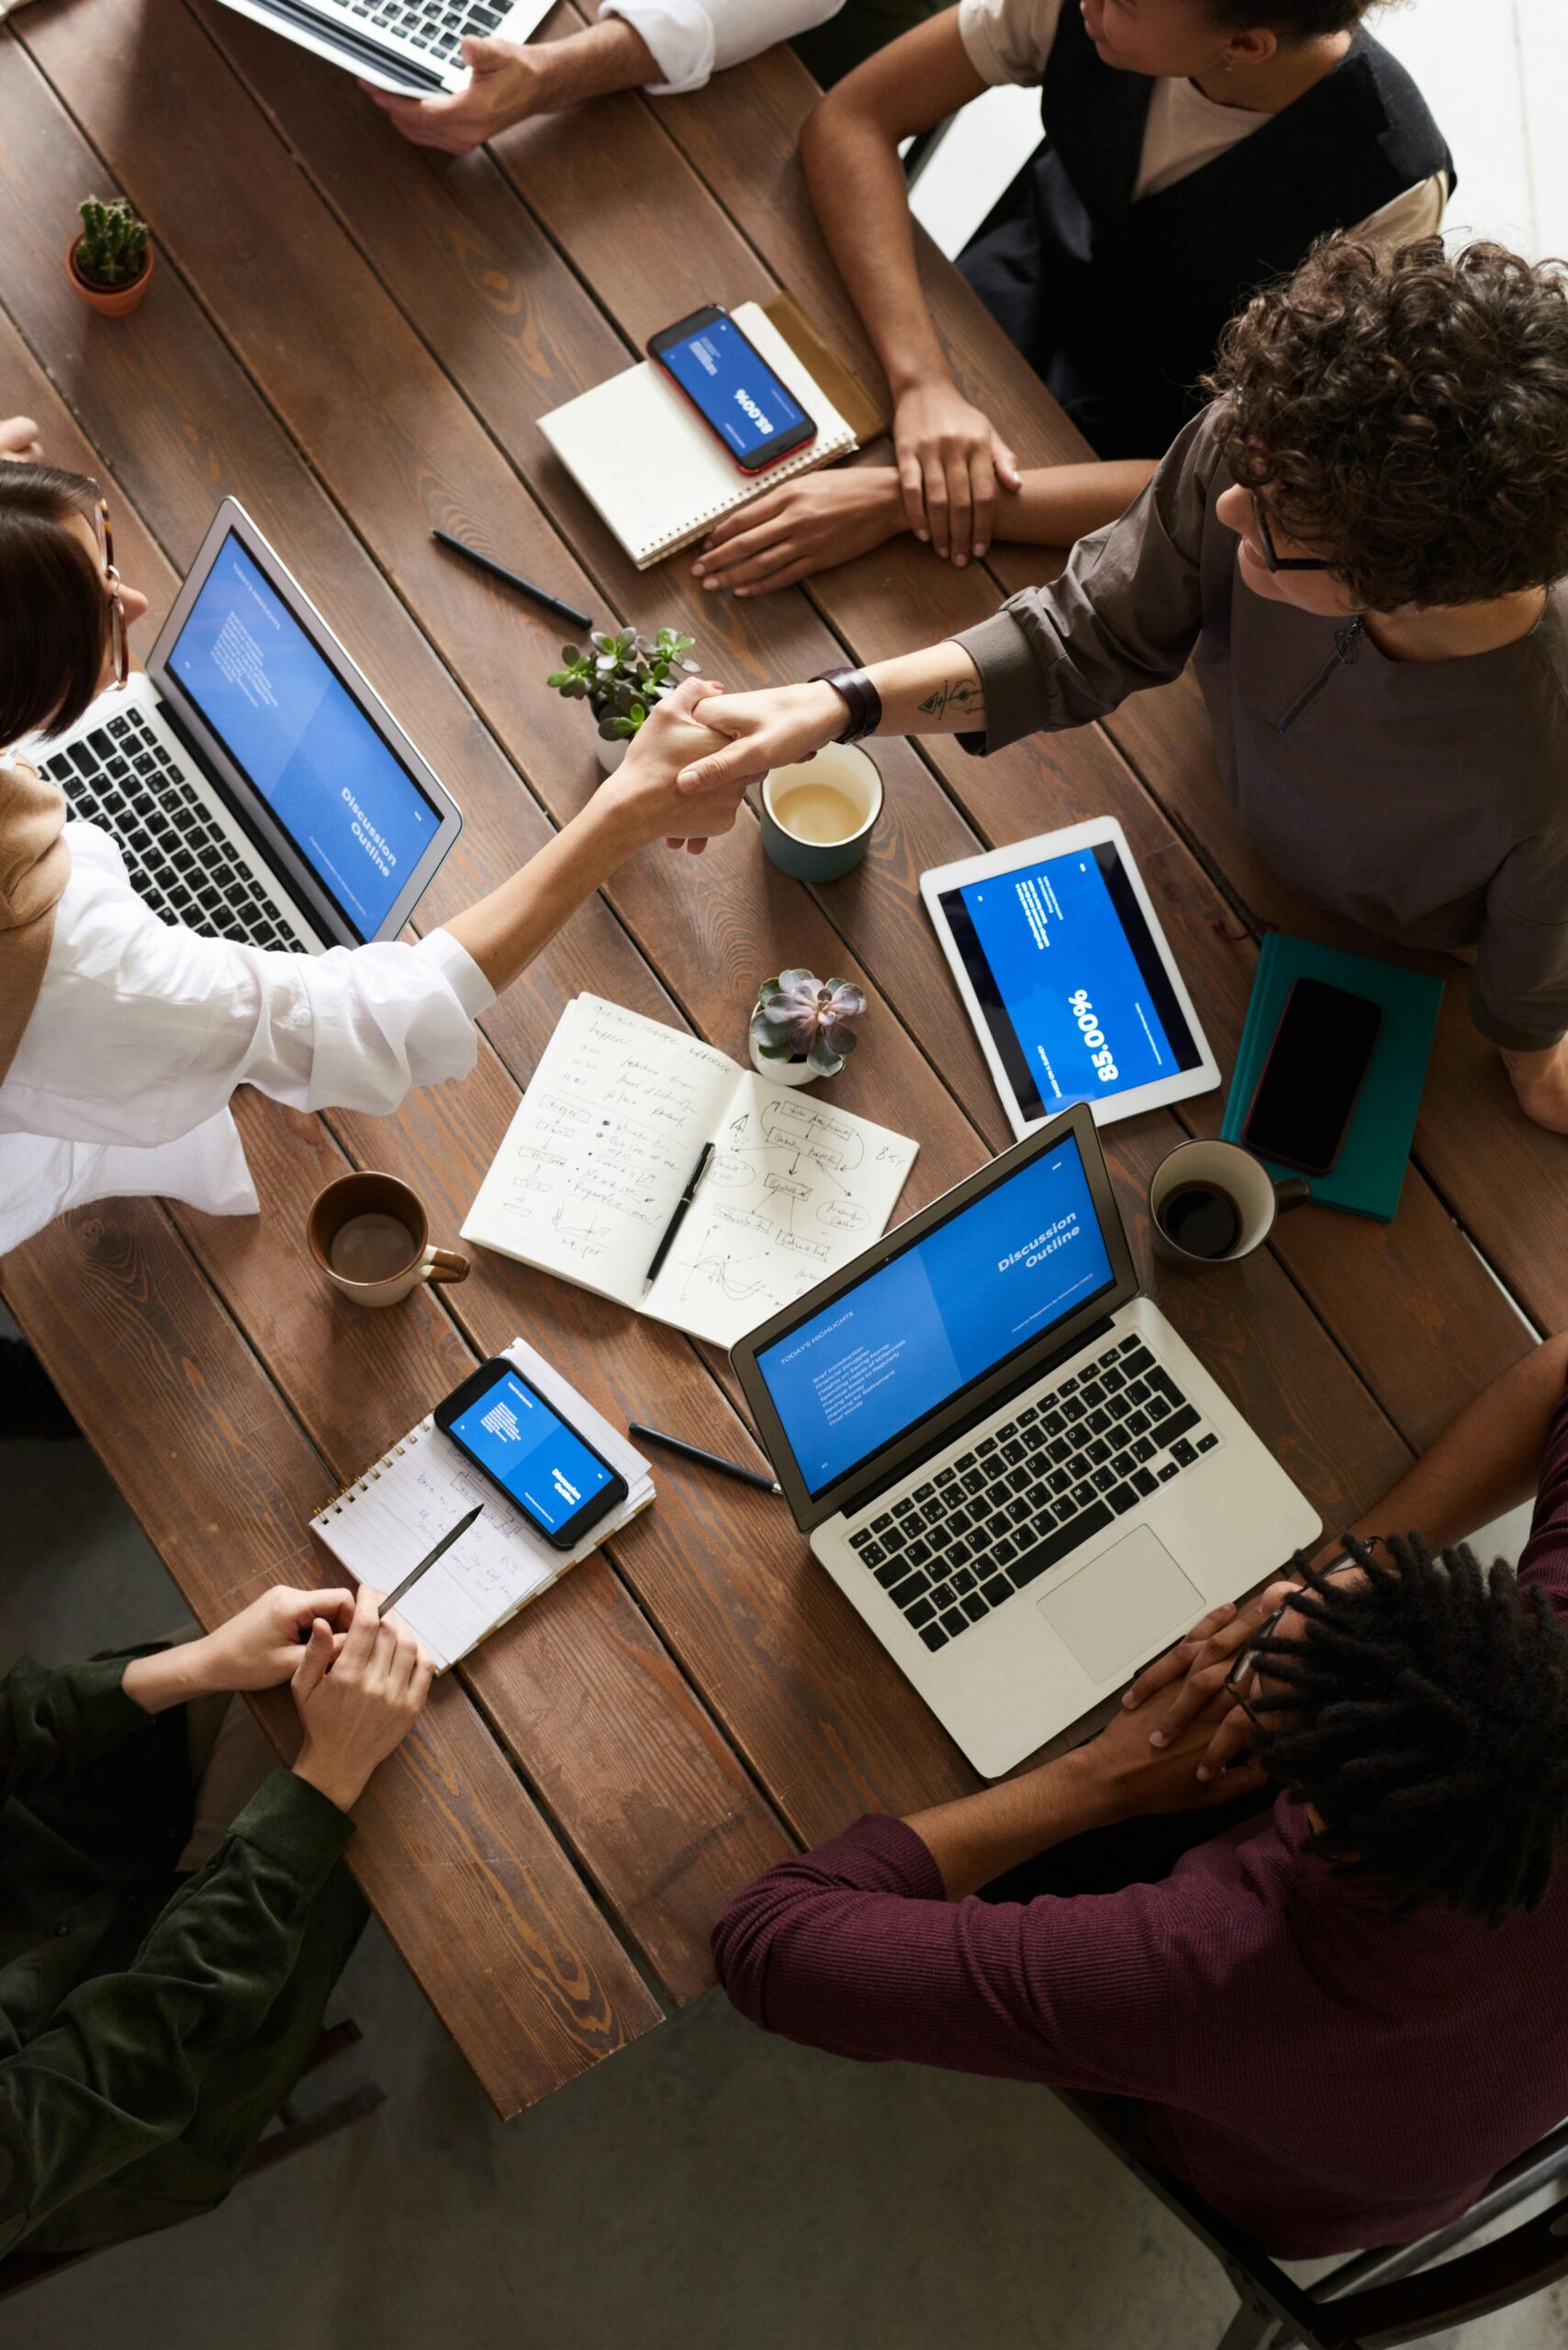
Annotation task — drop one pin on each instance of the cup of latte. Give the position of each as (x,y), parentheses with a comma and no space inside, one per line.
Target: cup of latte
(818,818)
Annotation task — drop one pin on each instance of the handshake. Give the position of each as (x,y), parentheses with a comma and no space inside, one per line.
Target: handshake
(689,765)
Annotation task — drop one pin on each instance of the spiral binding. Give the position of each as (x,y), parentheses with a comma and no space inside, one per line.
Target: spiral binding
(362,1483)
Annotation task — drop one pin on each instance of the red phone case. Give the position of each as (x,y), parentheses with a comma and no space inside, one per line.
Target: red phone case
(671,377)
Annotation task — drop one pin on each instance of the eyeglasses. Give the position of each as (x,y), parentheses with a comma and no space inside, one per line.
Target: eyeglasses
(1271,557)
(119,635)
(1245,1670)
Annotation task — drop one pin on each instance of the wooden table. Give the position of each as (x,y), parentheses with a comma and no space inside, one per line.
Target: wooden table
(356,339)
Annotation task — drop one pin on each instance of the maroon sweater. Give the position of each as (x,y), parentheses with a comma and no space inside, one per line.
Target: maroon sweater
(1324,2077)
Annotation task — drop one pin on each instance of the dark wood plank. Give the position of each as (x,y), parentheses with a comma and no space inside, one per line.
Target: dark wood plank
(470,1881)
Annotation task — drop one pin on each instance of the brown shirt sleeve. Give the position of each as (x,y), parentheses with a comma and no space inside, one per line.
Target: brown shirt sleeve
(1124,614)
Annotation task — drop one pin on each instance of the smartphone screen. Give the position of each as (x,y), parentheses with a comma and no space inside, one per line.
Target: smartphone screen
(1309,1082)
(506,1427)
(732,388)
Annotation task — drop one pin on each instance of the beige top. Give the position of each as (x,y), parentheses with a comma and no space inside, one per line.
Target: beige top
(1009,40)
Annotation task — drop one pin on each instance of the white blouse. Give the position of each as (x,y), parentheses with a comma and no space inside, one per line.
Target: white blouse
(690,40)
(143,1030)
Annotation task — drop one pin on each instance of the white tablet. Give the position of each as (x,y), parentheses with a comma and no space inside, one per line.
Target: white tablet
(1065,974)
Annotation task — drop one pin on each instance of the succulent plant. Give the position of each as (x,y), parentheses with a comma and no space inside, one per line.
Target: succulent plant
(623,676)
(114,242)
(800,1017)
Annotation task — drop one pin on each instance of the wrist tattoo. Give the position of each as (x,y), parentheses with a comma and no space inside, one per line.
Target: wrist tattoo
(961,694)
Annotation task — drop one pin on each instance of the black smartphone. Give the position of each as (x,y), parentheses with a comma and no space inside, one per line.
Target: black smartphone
(546,1467)
(1311,1076)
(732,388)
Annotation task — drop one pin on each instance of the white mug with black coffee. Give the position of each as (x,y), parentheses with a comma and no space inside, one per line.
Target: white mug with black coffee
(1213,1202)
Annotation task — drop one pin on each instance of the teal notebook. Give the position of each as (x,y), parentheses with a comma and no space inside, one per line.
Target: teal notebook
(1369,1174)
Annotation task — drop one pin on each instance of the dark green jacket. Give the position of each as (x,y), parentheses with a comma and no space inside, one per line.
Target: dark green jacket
(150,2024)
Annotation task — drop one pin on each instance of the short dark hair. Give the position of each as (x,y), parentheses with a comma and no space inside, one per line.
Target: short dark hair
(1293,19)
(1423,1712)
(54,615)
(1408,416)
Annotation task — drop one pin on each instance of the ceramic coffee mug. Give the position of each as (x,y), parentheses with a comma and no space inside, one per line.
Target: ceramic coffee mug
(1213,1202)
(818,818)
(370,1236)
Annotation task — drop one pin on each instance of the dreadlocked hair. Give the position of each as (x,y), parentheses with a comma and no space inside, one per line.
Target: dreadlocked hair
(1423,1712)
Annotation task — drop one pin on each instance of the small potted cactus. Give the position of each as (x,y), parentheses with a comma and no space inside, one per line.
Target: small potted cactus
(110,262)
(621,679)
(800,1026)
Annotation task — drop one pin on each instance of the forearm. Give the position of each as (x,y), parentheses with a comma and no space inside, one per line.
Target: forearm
(935,692)
(1485,1462)
(504,931)
(856,177)
(604,57)
(1057,505)
(981,1837)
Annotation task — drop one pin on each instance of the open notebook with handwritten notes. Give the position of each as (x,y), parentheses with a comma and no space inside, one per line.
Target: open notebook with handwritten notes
(387,1521)
(605,1142)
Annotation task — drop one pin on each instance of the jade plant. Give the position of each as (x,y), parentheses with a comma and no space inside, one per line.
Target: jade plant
(113,249)
(800,1017)
(623,676)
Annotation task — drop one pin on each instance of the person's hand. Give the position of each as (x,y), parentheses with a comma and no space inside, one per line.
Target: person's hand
(1196,1669)
(801,527)
(506,84)
(262,1646)
(775,728)
(19,440)
(360,1705)
(1540,1080)
(1130,1776)
(950,460)
(645,792)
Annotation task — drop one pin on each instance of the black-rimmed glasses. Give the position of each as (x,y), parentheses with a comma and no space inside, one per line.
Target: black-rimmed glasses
(1271,557)
(119,635)
(1245,1670)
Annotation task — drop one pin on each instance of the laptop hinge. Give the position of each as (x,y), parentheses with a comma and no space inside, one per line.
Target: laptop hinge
(992,1405)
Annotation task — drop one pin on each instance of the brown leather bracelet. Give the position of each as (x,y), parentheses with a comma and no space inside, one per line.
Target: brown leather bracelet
(861,699)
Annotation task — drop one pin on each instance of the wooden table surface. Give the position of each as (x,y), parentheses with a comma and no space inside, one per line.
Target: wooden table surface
(356,338)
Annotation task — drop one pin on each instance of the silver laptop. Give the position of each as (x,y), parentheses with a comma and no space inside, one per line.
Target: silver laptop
(257,787)
(410,46)
(1023,1478)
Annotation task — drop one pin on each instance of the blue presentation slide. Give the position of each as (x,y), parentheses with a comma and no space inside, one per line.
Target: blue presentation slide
(735,391)
(1070,983)
(352,810)
(989,1279)
(547,1470)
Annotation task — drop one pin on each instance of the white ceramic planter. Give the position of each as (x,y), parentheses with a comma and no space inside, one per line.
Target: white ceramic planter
(782,1072)
(610,754)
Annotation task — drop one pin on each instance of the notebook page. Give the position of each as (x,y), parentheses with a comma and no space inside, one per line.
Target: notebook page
(396,1514)
(601,1148)
(795,1189)
(652,466)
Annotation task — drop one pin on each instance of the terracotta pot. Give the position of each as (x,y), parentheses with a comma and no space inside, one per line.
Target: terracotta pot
(110,301)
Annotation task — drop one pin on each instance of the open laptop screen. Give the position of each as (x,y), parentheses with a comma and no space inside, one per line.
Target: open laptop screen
(338,791)
(971,1290)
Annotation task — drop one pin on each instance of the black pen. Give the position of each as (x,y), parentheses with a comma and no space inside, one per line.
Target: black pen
(708,1460)
(515,579)
(679,1218)
(431,1556)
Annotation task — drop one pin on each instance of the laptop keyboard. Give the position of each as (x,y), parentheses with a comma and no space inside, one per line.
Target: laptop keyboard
(183,864)
(1028,1494)
(435,28)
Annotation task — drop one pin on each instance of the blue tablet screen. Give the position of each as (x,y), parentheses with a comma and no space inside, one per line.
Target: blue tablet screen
(1069,980)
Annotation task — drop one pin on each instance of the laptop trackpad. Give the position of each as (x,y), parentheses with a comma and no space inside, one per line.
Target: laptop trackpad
(1112,1609)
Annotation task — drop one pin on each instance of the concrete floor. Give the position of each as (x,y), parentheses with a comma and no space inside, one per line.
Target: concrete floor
(709,2189)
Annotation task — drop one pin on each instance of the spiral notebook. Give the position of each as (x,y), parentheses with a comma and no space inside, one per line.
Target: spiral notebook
(655,471)
(387,1520)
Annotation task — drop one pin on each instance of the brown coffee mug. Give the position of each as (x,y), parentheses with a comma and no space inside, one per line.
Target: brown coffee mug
(370,1236)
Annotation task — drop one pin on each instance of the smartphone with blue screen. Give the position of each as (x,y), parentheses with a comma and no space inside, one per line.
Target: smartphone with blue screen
(546,1468)
(732,388)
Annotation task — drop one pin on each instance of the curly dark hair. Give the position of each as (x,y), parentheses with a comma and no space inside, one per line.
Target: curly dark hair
(1293,19)
(1424,1713)
(1409,418)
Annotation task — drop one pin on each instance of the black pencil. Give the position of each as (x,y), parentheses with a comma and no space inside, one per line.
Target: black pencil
(515,579)
(742,1476)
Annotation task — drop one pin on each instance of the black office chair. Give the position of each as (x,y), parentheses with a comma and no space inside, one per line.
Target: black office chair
(290,2134)
(1377,2298)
